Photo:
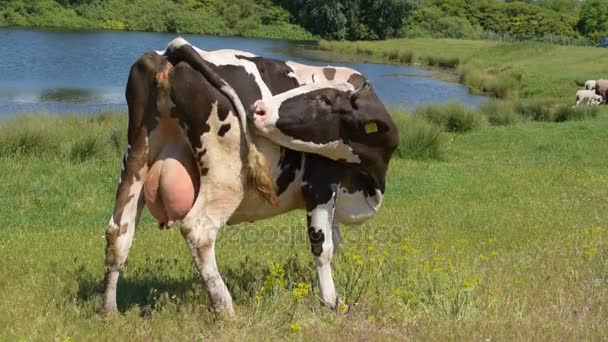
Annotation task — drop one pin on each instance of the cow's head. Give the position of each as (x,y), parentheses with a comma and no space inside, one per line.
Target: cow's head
(333,120)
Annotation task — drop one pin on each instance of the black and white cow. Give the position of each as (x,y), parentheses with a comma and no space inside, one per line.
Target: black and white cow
(191,157)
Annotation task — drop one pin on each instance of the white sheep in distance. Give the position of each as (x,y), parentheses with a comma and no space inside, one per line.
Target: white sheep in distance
(590,85)
(588,97)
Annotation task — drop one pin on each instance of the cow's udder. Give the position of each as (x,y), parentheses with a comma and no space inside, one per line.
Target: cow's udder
(170,188)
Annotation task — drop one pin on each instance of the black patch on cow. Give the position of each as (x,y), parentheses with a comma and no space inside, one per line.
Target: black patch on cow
(357,80)
(317,238)
(201,154)
(321,179)
(315,116)
(187,54)
(354,180)
(274,73)
(141,93)
(191,109)
(330,73)
(222,113)
(289,164)
(223,130)
(242,82)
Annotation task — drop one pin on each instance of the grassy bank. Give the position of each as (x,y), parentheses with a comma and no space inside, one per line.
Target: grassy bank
(508,70)
(424,132)
(504,237)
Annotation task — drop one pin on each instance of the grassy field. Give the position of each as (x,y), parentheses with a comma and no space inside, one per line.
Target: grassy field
(527,69)
(502,235)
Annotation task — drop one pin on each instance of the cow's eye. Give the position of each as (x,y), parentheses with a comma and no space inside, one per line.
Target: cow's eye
(325,100)
(353,103)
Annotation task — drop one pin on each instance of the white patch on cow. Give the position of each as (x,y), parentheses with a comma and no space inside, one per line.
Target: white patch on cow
(177,43)
(292,75)
(354,208)
(305,74)
(123,165)
(130,210)
(335,150)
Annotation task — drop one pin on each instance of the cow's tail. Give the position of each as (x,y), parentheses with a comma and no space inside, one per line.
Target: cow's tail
(258,170)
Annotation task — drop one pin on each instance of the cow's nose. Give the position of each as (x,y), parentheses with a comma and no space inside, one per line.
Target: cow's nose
(259,109)
(260,112)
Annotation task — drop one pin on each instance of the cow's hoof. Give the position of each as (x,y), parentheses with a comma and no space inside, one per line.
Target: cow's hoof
(341,308)
(107,311)
(224,314)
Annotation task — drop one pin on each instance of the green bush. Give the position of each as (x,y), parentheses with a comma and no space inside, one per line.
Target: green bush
(565,112)
(418,138)
(453,117)
(69,138)
(503,82)
(406,57)
(85,149)
(499,113)
(536,109)
(441,61)
(392,55)
(26,142)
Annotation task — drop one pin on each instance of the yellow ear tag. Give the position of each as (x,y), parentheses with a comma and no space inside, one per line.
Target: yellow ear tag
(371,127)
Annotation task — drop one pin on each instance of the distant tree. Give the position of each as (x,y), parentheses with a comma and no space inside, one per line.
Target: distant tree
(593,21)
(350,19)
(516,18)
(561,6)
(385,18)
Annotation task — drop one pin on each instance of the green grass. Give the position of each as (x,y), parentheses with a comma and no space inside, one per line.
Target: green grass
(505,238)
(526,69)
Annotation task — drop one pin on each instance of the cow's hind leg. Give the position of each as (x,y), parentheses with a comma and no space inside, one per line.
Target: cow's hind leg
(121,228)
(129,195)
(215,203)
(219,157)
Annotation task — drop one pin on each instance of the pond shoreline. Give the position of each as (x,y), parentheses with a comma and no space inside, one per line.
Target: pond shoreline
(64,81)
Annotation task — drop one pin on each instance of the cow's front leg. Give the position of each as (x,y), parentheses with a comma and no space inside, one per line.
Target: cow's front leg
(320,211)
(336,235)
(121,228)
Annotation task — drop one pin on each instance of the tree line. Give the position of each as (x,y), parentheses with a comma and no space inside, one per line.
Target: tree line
(328,19)
(253,18)
(381,19)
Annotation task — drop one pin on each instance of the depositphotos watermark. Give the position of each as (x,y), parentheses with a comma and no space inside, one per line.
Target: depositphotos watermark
(297,234)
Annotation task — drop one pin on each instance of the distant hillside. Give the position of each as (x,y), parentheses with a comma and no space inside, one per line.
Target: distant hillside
(253,18)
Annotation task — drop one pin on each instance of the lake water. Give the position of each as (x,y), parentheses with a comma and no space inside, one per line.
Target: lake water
(83,72)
